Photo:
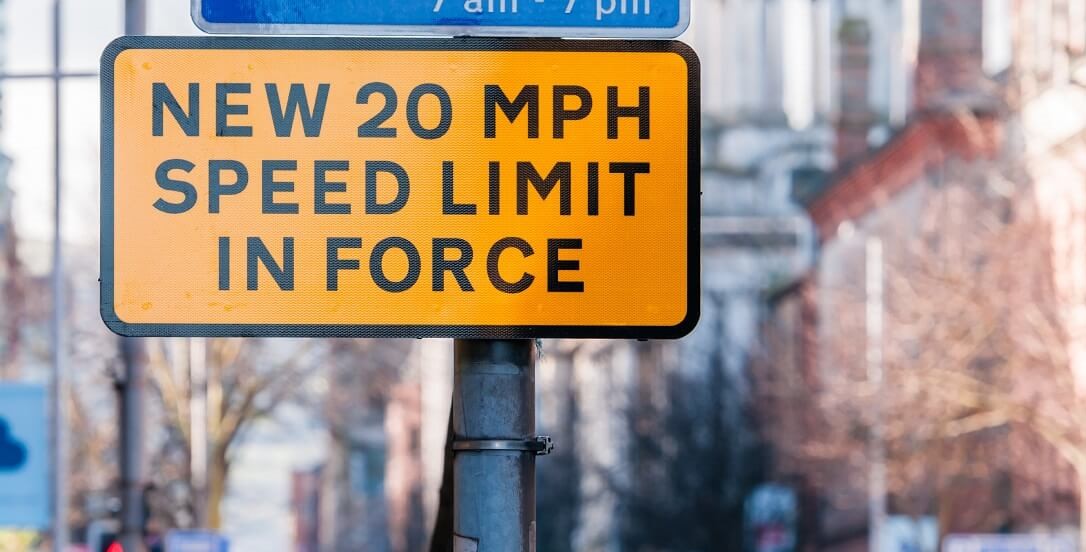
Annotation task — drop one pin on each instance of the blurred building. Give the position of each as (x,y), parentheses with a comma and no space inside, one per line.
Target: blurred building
(387,409)
(825,121)
(975,173)
(656,445)
(305,500)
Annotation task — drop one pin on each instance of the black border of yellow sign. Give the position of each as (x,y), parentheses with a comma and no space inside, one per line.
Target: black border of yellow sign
(693,199)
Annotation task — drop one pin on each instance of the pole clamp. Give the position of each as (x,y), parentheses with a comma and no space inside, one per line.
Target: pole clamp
(540,446)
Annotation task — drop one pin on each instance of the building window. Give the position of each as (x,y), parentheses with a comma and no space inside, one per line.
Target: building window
(997,36)
(367,471)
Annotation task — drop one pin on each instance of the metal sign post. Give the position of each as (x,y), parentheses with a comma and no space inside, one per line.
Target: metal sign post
(132,385)
(494,446)
(131,441)
(60,345)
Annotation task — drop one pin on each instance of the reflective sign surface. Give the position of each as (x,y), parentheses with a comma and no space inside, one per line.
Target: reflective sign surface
(343,187)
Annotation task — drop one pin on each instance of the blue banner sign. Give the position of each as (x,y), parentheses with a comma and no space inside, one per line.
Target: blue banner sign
(538,18)
(24,457)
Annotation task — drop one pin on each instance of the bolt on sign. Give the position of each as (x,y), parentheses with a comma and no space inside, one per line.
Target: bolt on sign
(395,187)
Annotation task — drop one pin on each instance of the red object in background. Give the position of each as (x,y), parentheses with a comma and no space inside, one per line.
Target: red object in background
(115,547)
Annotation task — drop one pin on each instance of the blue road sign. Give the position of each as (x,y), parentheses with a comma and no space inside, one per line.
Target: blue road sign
(196,541)
(24,457)
(540,18)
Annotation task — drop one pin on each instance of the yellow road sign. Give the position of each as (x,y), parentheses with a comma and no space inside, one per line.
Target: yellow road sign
(382,187)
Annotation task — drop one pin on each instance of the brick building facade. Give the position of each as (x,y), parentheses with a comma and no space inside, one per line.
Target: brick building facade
(974,204)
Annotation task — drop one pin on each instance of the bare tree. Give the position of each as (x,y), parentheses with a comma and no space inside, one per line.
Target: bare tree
(688,482)
(976,356)
(247,380)
(373,495)
(12,293)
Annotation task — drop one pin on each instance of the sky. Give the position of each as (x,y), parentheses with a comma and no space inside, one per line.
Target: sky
(256,512)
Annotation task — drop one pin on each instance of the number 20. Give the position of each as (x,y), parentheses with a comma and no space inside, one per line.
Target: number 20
(373,129)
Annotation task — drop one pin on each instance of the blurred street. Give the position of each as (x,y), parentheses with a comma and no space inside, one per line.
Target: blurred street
(891,353)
